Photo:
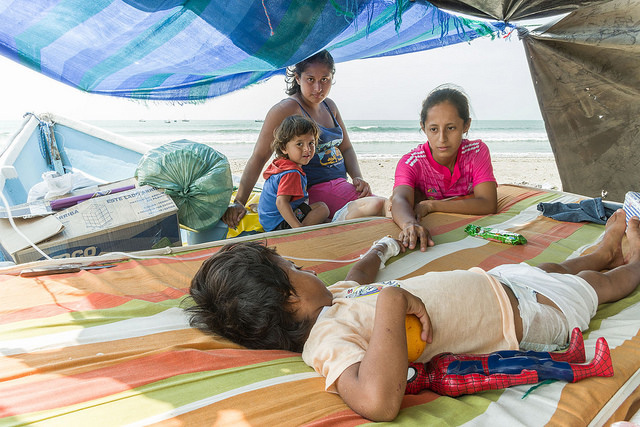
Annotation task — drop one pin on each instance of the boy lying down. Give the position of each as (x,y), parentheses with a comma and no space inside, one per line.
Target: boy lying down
(249,294)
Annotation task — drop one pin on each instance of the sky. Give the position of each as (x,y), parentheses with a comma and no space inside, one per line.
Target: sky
(494,73)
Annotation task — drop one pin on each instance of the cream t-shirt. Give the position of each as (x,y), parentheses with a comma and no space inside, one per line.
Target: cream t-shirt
(469,310)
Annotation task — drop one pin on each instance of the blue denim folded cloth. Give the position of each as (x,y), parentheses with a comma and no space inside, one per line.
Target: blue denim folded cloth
(591,210)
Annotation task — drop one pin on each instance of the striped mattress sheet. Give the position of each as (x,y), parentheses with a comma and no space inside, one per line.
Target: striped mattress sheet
(114,347)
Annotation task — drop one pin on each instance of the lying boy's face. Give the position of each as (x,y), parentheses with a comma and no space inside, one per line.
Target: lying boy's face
(311,292)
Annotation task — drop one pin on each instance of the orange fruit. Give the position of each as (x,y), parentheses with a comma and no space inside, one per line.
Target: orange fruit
(415,345)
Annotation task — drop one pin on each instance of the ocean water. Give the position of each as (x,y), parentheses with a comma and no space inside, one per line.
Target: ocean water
(371,138)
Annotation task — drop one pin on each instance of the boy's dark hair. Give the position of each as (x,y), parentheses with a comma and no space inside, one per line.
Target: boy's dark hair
(291,127)
(240,293)
(322,57)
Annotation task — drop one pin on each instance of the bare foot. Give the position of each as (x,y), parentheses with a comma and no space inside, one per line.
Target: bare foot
(611,244)
(633,236)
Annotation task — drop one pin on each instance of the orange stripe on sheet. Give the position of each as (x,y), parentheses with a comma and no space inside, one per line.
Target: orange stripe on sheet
(540,236)
(326,231)
(97,383)
(99,355)
(509,195)
(290,404)
(153,282)
(572,409)
(90,302)
(95,301)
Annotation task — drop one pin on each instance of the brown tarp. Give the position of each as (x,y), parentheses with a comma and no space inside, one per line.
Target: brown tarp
(586,73)
(512,10)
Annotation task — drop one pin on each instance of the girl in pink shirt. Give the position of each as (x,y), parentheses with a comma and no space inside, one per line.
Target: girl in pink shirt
(446,166)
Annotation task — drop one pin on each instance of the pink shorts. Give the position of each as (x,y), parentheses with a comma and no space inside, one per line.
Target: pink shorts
(335,193)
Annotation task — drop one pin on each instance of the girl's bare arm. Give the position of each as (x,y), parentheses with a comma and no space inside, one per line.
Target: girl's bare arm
(484,201)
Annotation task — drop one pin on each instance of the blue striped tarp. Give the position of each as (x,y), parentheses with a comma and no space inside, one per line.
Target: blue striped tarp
(193,50)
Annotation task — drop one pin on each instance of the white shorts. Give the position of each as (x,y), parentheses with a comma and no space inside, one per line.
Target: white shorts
(341,214)
(544,329)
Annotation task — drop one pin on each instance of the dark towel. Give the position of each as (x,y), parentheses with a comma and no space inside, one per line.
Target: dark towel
(591,210)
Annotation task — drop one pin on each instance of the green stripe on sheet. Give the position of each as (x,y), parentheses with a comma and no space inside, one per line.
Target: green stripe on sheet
(162,396)
(447,410)
(608,310)
(532,200)
(337,274)
(558,251)
(455,235)
(76,320)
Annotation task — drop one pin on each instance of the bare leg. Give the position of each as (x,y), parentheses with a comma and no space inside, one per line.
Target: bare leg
(607,255)
(622,280)
(367,206)
(319,213)
(387,208)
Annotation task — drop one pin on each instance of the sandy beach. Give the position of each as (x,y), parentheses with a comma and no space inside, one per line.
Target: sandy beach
(531,171)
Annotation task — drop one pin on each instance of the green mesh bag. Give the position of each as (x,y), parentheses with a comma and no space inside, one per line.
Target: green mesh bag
(194,175)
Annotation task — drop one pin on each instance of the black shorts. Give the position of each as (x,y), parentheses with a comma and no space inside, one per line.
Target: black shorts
(300,212)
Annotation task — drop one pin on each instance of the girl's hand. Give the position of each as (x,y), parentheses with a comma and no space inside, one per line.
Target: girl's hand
(423,208)
(362,186)
(412,233)
(416,306)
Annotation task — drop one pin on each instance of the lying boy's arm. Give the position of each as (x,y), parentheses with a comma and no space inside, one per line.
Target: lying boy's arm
(284,207)
(365,270)
(374,387)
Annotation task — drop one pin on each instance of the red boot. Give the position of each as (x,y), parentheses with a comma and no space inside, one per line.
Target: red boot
(600,366)
(575,352)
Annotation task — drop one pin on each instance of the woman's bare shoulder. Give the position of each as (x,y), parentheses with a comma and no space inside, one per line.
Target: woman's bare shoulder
(332,105)
(286,106)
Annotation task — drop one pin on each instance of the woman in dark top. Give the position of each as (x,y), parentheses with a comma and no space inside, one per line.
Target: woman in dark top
(308,85)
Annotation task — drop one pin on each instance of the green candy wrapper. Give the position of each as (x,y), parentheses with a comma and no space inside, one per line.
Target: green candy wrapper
(495,235)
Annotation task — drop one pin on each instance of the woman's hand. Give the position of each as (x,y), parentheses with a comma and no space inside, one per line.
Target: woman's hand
(362,186)
(234,213)
(412,233)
